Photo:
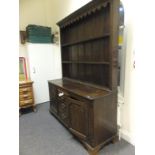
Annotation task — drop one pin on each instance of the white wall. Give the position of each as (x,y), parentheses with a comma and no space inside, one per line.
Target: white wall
(127,113)
(39,12)
(32,12)
(145,78)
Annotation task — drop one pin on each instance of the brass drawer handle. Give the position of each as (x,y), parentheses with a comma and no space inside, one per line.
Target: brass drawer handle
(26,95)
(26,102)
(25,89)
(29,101)
(61,94)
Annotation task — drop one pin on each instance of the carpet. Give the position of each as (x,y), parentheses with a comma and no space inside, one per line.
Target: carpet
(41,134)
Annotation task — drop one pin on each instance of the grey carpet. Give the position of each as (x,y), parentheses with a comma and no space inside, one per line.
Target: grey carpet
(41,134)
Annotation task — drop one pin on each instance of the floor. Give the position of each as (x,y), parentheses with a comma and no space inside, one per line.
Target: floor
(41,134)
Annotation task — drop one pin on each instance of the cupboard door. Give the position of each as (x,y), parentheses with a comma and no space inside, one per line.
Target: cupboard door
(53,98)
(78,118)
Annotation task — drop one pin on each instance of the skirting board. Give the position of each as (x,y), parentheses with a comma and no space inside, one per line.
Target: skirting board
(127,136)
(42,103)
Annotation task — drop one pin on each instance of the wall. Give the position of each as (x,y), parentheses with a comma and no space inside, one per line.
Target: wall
(30,12)
(127,112)
(39,12)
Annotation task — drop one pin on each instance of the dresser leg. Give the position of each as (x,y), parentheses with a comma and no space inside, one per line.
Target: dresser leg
(34,108)
(91,150)
(95,151)
(115,139)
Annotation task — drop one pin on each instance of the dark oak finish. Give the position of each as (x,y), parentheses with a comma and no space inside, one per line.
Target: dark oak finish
(85,99)
(87,111)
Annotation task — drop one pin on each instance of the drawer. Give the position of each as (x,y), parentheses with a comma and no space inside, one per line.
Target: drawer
(25,90)
(25,96)
(63,107)
(74,100)
(64,117)
(26,102)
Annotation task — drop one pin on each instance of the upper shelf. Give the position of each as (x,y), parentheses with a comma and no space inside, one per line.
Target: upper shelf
(86,40)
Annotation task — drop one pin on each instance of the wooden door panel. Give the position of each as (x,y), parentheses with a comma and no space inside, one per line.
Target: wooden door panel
(78,118)
(53,98)
(63,112)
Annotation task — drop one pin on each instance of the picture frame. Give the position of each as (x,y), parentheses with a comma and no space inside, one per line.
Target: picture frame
(22,69)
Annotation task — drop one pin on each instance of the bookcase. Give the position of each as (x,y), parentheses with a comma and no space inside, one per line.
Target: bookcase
(86,46)
(85,99)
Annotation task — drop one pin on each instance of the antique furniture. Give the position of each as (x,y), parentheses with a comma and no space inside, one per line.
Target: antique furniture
(85,99)
(26,98)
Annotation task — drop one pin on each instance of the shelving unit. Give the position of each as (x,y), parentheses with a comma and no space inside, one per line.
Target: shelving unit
(85,44)
(85,99)
(87,40)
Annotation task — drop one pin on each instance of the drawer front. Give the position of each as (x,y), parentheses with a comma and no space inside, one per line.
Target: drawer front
(63,107)
(25,90)
(25,96)
(63,111)
(26,102)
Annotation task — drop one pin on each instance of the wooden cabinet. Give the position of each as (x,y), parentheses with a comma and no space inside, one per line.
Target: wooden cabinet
(85,99)
(88,111)
(26,98)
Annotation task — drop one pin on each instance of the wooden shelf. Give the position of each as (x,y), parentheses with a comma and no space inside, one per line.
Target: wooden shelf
(84,62)
(87,40)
